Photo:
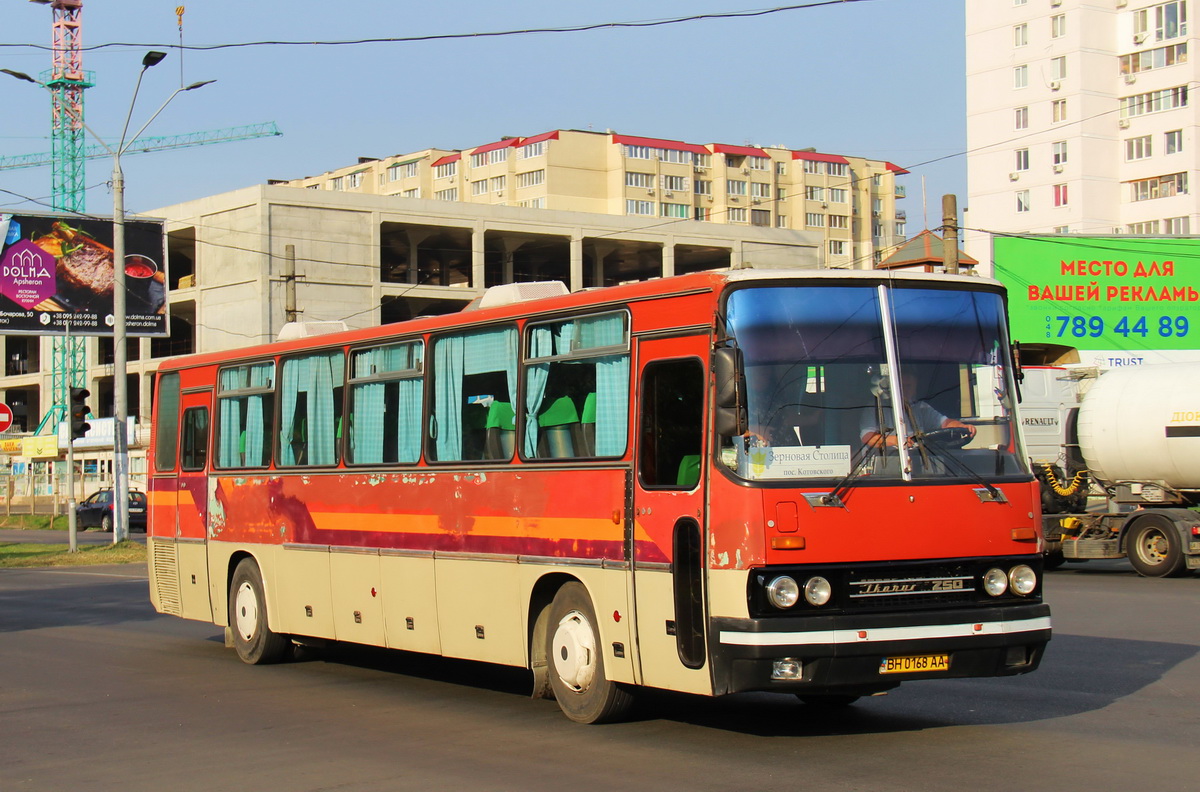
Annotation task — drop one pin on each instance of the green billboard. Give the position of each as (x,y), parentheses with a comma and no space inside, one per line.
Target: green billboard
(1104,292)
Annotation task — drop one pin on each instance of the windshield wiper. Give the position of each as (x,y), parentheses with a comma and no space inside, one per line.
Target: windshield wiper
(865,452)
(951,461)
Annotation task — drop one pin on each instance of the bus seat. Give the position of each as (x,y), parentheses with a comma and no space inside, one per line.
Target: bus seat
(587,421)
(501,431)
(689,471)
(558,424)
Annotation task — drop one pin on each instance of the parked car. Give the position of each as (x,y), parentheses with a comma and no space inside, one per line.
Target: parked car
(97,510)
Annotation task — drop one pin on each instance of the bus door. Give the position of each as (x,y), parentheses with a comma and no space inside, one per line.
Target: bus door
(191,503)
(668,512)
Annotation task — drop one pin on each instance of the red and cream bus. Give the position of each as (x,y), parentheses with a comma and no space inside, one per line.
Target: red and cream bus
(712,483)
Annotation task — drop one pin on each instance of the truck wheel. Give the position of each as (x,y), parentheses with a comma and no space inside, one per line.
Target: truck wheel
(575,657)
(1154,547)
(255,642)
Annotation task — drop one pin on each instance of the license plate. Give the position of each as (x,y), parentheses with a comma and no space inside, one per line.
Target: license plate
(914,664)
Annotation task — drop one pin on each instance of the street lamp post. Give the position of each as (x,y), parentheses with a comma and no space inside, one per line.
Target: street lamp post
(120,357)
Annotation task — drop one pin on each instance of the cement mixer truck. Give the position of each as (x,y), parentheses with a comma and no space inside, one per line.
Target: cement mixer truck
(1132,435)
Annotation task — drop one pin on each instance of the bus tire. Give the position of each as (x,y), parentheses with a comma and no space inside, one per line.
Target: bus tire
(254,641)
(575,659)
(1154,547)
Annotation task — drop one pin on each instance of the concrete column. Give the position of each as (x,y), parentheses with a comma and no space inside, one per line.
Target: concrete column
(576,260)
(668,257)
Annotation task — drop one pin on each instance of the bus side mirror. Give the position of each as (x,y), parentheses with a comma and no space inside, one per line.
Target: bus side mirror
(730,389)
(1014,349)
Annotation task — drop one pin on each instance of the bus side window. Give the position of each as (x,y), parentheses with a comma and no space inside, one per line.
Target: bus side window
(471,371)
(195,439)
(672,428)
(310,409)
(166,413)
(245,407)
(386,390)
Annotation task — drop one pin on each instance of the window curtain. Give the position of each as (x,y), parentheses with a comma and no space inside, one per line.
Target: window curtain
(408,435)
(256,416)
(612,383)
(366,430)
(448,359)
(541,344)
(315,376)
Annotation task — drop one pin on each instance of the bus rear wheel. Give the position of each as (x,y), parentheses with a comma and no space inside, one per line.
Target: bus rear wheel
(1154,547)
(254,641)
(575,658)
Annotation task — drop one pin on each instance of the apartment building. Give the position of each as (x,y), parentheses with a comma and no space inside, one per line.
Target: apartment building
(849,201)
(241,264)
(1079,119)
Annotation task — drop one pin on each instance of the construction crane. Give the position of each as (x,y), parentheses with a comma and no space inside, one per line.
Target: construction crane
(67,157)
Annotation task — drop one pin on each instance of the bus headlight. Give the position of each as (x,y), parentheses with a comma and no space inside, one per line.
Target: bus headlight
(995,582)
(783,592)
(817,591)
(1022,579)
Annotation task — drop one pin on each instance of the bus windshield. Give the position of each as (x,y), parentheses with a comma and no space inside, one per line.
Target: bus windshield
(888,382)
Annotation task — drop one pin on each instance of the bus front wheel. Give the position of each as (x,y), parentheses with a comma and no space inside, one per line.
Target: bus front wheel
(254,641)
(575,656)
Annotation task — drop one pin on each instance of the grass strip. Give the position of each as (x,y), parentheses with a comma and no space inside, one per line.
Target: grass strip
(18,554)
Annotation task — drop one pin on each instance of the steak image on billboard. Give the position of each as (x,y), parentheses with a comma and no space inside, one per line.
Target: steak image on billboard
(58,271)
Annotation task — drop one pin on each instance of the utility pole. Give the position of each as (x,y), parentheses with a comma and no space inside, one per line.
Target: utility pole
(289,283)
(950,233)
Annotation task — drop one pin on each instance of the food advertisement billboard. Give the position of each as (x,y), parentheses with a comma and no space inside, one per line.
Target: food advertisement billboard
(1118,300)
(58,271)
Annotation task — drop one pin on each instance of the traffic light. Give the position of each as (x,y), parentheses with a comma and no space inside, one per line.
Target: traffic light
(79,412)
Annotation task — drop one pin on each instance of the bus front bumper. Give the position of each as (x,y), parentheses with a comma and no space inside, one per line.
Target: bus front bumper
(861,654)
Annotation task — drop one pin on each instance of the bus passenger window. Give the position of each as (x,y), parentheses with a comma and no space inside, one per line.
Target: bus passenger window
(471,372)
(195,438)
(386,392)
(577,388)
(245,415)
(166,415)
(310,409)
(672,423)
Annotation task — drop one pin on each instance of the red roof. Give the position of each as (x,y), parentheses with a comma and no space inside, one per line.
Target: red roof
(446,160)
(813,156)
(539,138)
(499,144)
(895,168)
(674,145)
(738,151)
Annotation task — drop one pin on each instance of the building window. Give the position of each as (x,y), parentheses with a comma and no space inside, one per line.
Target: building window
(1058,26)
(1020,76)
(1148,227)
(1022,159)
(735,187)
(811,166)
(1154,101)
(675,183)
(413,193)
(781,169)
(1021,118)
(1177,225)
(900,229)
(404,170)
(1059,152)
(445,171)
(1174,141)
(1138,148)
(758,163)
(1157,58)
(701,160)
(1058,68)
(675,210)
(641,180)
(1022,201)
(533,203)
(1021,35)
(814,193)
(479,160)
(637,152)
(1060,195)
(1058,111)
(1062,229)
(837,247)
(839,221)
(781,221)
(1159,187)
(354,181)
(760,190)
(531,178)
(781,194)
(737,215)
(532,150)
(837,168)
(639,207)
(498,183)
(837,195)
(479,187)
(703,186)
(702,213)
(446,195)
(1019,2)
(1167,20)
(760,217)
(338,184)
(814,220)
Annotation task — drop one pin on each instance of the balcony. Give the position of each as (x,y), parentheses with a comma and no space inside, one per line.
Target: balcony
(901,192)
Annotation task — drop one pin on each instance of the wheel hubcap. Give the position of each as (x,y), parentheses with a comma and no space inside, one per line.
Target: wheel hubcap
(245,611)
(574,650)
(1153,547)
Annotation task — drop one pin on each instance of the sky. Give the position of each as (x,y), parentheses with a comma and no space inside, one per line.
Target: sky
(882,79)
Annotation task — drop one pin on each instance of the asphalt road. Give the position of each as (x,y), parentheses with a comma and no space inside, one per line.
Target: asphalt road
(98,692)
(35,536)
